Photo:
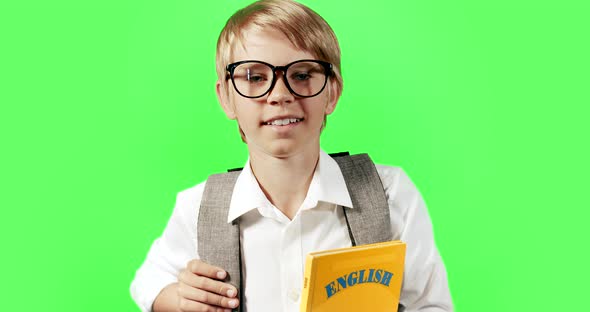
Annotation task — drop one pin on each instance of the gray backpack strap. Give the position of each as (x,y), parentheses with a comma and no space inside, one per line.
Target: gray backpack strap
(368,222)
(219,241)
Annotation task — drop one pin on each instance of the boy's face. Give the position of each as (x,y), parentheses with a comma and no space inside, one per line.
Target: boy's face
(255,114)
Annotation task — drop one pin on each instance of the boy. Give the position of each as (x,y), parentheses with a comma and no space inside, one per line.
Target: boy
(278,65)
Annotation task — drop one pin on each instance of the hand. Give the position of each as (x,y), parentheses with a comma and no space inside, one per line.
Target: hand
(200,289)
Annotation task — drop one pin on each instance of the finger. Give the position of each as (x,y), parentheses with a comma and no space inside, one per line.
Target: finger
(202,282)
(201,296)
(193,306)
(201,268)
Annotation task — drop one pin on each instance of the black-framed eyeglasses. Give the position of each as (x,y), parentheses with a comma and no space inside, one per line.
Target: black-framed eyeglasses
(303,78)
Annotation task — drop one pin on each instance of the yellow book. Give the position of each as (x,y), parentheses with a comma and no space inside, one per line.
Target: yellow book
(360,278)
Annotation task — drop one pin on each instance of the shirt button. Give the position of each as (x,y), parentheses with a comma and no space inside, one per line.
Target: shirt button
(294,294)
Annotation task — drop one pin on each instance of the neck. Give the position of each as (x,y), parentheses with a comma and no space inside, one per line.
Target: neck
(285,181)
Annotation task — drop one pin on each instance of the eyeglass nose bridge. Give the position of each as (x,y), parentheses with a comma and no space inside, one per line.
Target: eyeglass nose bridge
(275,78)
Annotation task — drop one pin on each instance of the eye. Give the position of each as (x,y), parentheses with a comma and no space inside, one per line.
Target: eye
(301,76)
(256,78)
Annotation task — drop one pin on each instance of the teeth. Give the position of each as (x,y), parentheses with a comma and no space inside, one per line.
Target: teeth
(283,122)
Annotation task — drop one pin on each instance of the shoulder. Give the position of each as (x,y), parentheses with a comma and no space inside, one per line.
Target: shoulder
(188,201)
(193,193)
(396,182)
(403,198)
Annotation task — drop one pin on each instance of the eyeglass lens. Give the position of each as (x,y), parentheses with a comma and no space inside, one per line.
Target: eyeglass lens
(255,79)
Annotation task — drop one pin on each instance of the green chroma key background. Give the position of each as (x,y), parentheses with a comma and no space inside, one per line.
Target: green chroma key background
(108,110)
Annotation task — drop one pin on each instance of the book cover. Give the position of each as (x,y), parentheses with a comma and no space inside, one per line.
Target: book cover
(360,278)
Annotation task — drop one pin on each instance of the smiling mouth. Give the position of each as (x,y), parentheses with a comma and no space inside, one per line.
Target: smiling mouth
(283,122)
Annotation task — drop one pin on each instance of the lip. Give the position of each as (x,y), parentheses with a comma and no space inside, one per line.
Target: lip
(264,122)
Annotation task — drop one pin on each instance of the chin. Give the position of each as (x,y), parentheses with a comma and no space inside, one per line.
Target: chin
(283,151)
(278,149)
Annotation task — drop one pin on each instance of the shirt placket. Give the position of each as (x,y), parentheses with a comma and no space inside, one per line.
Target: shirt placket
(291,266)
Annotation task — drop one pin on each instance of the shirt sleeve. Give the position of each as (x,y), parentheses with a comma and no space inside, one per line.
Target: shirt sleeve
(170,252)
(425,286)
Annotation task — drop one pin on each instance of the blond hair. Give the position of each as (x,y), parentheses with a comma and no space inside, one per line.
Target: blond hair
(305,29)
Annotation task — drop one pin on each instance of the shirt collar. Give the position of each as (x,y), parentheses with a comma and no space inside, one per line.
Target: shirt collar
(327,185)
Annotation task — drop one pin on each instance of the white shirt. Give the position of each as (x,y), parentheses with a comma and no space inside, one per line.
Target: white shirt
(274,247)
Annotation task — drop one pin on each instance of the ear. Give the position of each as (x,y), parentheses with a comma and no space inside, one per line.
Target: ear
(222,97)
(333,96)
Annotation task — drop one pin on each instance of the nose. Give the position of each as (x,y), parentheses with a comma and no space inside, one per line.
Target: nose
(280,94)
